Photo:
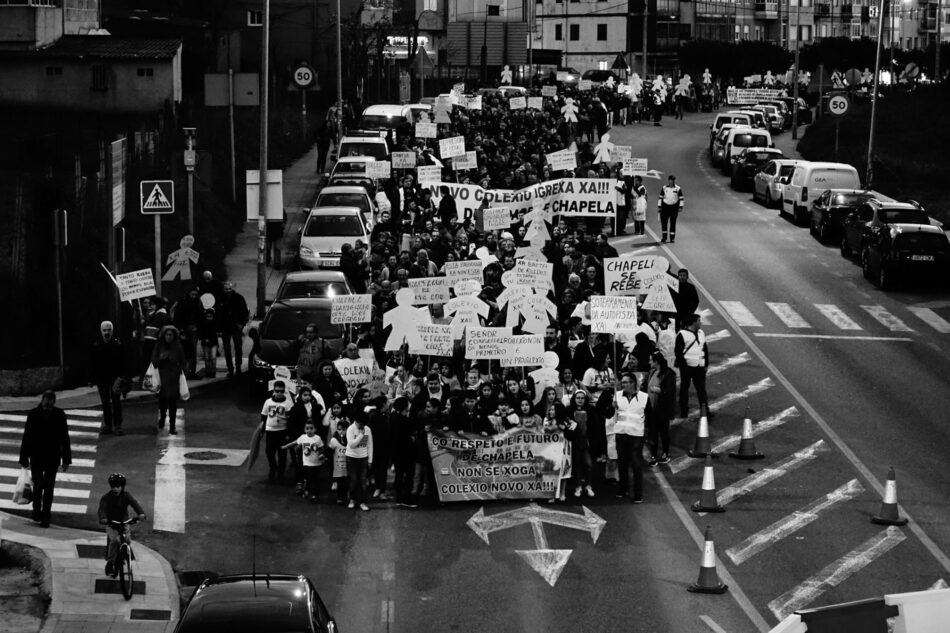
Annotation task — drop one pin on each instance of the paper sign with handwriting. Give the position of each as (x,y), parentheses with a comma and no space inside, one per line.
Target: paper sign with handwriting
(351,309)
(549,91)
(426,130)
(379,169)
(469,160)
(609,315)
(404,160)
(633,274)
(428,173)
(436,340)
(430,290)
(465,269)
(563,159)
(452,147)
(496,218)
(517,103)
(535,102)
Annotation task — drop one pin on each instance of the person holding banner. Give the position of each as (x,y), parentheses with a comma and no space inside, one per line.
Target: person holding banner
(629,428)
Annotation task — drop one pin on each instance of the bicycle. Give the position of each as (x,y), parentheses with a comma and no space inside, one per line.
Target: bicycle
(123,561)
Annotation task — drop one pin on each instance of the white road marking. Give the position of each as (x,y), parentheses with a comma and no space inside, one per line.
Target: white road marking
(886,319)
(59,491)
(73,478)
(77,462)
(932,319)
(729,398)
(387,613)
(837,316)
(732,361)
(836,337)
(718,336)
(81,448)
(170,484)
(708,621)
(682,463)
(788,315)
(836,573)
(740,314)
(782,528)
(68,508)
(15,417)
(84,413)
(705,316)
(72,433)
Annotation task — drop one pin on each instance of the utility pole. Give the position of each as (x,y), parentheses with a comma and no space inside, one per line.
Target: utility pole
(798,46)
(60,241)
(646,30)
(877,77)
(190,160)
(937,56)
(339,76)
(262,180)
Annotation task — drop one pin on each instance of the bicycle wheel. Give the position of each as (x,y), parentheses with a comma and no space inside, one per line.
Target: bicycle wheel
(125,570)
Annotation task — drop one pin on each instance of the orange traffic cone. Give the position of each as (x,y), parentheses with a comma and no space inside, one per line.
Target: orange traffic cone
(888,514)
(708,578)
(747,443)
(701,446)
(707,500)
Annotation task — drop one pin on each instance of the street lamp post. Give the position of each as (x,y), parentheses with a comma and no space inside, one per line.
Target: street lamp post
(339,75)
(798,46)
(937,56)
(877,78)
(262,180)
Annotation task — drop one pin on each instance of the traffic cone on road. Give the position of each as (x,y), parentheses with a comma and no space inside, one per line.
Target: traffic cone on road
(707,500)
(701,446)
(708,577)
(747,443)
(888,514)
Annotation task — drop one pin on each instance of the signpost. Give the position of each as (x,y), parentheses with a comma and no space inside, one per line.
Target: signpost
(838,106)
(157,198)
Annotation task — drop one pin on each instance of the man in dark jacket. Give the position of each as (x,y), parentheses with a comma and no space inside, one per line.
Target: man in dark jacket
(110,373)
(44,447)
(686,299)
(232,315)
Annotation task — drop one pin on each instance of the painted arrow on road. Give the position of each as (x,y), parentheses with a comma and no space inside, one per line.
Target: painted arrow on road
(546,561)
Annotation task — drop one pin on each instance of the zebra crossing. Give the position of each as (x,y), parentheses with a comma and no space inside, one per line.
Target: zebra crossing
(825,316)
(73,488)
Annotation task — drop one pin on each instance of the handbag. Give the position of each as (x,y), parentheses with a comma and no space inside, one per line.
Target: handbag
(152,381)
(23,490)
(183,391)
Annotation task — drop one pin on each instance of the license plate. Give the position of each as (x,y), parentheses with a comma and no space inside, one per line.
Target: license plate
(921,258)
(329,263)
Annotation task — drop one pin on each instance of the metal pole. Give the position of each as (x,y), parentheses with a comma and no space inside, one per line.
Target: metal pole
(231,132)
(798,38)
(262,180)
(646,24)
(937,56)
(532,17)
(191,200)
(158,254)
(877,77)
(59,239)
(339,75)
(422,72)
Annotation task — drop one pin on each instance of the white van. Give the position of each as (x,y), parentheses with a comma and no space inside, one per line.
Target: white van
(722,118)
(740,138)
(808,181)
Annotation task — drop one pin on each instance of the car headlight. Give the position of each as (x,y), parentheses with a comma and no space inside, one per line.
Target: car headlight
(306,252)
(260,364)
(719,152)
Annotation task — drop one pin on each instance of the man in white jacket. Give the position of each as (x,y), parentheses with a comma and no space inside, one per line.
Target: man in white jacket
(631,421)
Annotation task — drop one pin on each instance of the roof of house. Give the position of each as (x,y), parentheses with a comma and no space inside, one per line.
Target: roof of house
(102,47)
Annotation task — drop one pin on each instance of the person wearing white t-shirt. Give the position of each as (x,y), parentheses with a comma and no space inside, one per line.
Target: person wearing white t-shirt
(274,415)
(359,459)
(313,458)
(629,428)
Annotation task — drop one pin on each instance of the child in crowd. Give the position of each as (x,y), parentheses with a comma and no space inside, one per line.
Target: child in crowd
(338,446)
(332,418)
(313,458)
(503,418)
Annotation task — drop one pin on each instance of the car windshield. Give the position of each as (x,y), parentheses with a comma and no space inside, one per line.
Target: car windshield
(749,140)
(342,200)
(347,167)
(376,150)
(312,289)
(377,120)
(850,199)
(284,324)
(786,170)
(323,225)
(905,216)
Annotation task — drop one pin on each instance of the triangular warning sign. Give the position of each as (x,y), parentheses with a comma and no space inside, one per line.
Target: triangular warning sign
(659,298)
(157,199)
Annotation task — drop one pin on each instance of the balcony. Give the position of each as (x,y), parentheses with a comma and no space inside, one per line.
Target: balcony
(766,10)
(927,25)
(822,10)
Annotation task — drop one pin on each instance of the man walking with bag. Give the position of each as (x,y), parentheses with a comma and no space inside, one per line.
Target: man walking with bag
(44,447)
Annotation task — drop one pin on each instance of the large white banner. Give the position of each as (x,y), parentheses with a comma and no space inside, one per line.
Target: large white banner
(633,274)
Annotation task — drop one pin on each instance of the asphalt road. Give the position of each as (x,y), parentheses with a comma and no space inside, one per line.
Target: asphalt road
(835,408)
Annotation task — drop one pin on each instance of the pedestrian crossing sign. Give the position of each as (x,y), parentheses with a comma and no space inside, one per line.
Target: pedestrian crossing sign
(157,196)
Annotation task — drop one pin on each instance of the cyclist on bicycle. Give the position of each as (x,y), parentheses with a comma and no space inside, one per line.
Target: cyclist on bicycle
(114,506)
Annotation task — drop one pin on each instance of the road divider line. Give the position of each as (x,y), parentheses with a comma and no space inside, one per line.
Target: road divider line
(732,361)
(788,315)
(740,314)
(708,621)
(836,337)
(837,316)
(682,463)
(836,573)
(718,336)
(767,475)
(790,524)
(932,319)
(170,484)
(729,398)
(885,318)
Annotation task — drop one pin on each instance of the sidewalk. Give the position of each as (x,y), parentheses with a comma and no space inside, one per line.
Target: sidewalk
(83,598)
(300,186)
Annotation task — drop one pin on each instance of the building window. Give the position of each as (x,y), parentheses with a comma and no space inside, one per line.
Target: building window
(100,79)
(255,17)
(52,71)
(745,31)
(575,32)
(494,10)
(559,32)
(602,65)
(430,5)
(145,72)
(602,32)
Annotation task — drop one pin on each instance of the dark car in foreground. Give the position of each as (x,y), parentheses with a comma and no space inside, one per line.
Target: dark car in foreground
(749,162)
(286,320)
(833,206)
(253,603)
(906,252)
(874,216)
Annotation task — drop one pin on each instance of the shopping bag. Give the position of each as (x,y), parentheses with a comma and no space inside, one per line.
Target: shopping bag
(183,387)
(23,490)
(152,381)
(255,446)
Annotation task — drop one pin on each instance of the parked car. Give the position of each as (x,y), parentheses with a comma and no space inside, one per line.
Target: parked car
(324,233)
(313,284)
(739,139)
(776,122)
(285,321)
(901,251)
(256,602)
(749,162)
(569,77)
(811,178)
(722,118)
(759,119)
(804,111)
(395,120)
(419,109)
(347,196)
(364,144)
(718,149)
(833,206)
(599,77)
(768,185)
(782,109)
(875,216)
(512,91)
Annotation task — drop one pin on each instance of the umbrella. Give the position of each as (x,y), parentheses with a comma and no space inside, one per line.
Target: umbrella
(255,446)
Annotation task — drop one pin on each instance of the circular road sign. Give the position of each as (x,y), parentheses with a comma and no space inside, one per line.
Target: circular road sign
(838,105)
(304,76)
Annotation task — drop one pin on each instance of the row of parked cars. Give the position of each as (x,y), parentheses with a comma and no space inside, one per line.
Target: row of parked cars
(891,240)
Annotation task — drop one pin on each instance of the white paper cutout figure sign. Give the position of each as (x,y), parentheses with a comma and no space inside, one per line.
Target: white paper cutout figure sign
(404,321)
(569,110)
(180,261)
(506,75)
